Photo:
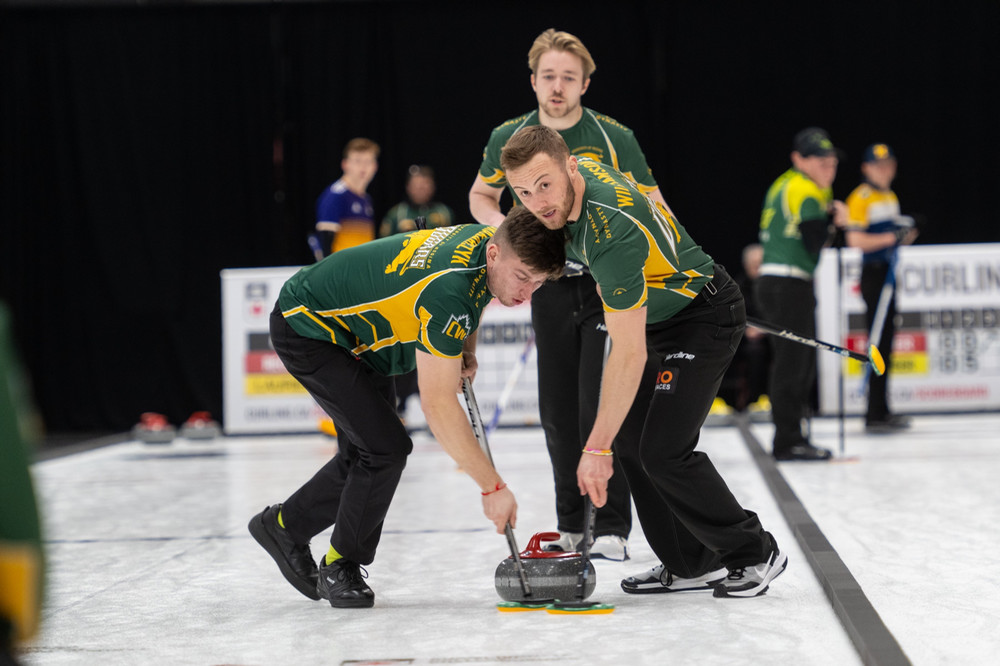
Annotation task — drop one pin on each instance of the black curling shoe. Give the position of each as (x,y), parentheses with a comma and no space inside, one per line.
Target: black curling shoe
(342,584)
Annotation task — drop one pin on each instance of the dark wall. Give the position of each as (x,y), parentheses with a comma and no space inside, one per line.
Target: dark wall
(143,149)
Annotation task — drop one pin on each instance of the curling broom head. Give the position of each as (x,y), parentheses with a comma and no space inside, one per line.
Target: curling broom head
(878,363)
(579,608)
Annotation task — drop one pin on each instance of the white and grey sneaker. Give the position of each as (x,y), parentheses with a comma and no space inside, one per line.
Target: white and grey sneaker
(610,547)
(568,542)
(753,581)
(659,579)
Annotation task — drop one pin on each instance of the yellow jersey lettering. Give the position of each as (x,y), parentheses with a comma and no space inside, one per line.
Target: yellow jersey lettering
(624,196)
(463,252)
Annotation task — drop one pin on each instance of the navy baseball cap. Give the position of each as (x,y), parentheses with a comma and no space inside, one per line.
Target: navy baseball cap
(878,151)
(814,142)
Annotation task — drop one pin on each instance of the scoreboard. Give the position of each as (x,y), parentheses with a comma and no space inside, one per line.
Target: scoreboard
(946,350)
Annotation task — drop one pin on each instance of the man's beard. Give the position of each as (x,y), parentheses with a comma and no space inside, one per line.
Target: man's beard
(559,111)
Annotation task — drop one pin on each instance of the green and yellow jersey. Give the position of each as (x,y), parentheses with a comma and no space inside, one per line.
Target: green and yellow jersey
(637,252)
(596,136)
(791,199)
(22,561)
(427,291)
(402,217)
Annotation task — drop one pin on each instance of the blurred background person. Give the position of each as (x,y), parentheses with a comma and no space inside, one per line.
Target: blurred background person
(745,385)
(419,202)
(401,218)
(345,216)
(22,563)
(876,227)
(796,222)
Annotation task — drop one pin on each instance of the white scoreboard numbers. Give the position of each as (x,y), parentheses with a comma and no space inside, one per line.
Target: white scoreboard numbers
(946,350)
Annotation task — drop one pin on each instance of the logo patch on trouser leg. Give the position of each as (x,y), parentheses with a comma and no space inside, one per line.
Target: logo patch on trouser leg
(666,379)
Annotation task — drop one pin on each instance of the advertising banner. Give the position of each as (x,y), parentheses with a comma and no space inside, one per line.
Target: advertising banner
(259,396)
(946,350)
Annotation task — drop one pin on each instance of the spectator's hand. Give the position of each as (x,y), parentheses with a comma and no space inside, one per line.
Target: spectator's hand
(838,213)
(501,508)
(906,235)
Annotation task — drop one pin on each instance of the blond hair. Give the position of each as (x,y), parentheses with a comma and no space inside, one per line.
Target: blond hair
(555,40)
(361,145)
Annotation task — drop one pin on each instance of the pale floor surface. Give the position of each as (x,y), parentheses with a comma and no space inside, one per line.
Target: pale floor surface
(150,561)
(916,518)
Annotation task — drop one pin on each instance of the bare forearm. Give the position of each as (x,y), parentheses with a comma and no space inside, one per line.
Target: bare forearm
(448,422)
(484,204)
(619,384)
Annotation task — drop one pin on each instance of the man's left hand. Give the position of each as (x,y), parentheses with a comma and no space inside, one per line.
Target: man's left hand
(592,476)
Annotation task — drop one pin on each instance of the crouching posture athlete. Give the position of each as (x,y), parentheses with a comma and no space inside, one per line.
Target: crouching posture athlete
(660,290)
(344,327)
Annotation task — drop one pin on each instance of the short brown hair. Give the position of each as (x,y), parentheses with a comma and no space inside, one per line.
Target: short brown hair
(555,40)
(541,248)
(361,145)
(528,142)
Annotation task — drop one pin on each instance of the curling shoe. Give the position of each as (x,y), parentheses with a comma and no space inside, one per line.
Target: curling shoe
(293,559)
(889,424)
(658,579)
(610,547)
(568,542)
(753,581)
(804,452)
(342,584)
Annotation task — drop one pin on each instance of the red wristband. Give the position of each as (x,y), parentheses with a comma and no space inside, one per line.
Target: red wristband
(500,486)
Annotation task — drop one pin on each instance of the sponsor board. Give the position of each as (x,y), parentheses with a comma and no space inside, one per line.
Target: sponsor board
(946,349)
(259,396)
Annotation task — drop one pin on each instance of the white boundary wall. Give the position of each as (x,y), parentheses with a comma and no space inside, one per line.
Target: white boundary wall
(946,354)
(260,397)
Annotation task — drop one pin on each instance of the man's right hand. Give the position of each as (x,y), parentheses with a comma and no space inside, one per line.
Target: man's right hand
(501,508)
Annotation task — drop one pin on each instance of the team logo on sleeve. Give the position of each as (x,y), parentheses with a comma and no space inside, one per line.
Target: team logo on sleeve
(458,327)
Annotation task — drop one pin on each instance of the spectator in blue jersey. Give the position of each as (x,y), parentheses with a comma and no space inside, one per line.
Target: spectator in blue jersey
(877,228)
(345,216)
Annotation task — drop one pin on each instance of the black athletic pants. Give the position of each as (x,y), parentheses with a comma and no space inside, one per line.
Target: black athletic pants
(689,516)
(570,337)
(873,275)
(789,303)
(353,491)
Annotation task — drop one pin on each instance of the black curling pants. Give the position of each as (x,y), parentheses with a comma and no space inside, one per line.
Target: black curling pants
(690,518)
(789,303)
(570,337)
(353,491)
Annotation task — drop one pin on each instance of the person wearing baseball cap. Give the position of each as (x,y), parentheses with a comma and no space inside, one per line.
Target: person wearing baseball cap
(876,227)
(797,220)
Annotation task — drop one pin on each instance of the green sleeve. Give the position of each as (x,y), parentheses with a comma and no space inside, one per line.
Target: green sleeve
(445,321)
(633,161)
(489,170)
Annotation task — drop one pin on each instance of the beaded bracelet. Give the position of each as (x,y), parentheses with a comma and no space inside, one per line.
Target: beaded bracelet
(599,452)
(500,486)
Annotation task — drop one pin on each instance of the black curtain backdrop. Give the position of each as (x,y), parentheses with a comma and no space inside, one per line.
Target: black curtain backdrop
(145,148)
